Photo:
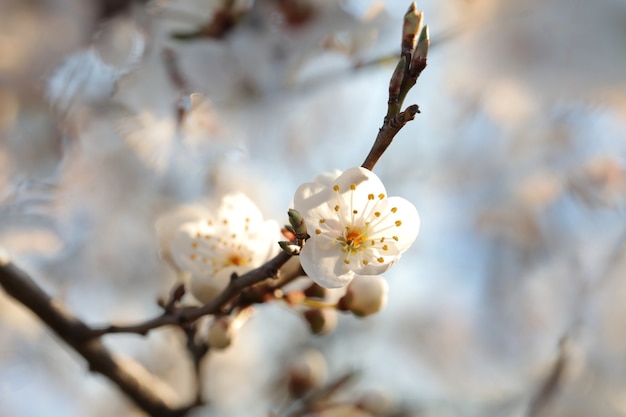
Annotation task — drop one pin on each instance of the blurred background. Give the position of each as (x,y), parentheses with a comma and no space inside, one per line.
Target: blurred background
(113,113)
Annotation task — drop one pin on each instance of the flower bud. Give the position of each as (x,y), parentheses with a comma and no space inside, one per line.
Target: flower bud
(365,295)
(395,83)
(423,44)
(289,247)
(220,333)
(297,222)
(223,329)
(321,321)
(315,291)
(411,27)
(306,372)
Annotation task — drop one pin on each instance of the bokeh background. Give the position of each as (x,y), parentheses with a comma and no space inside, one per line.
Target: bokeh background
(516,165)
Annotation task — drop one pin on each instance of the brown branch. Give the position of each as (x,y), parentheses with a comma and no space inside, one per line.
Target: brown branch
(189,314)
(390,128)
(550,386)
(147,392)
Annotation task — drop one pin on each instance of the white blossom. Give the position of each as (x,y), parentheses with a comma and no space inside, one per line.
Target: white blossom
(355,228)
(235,239)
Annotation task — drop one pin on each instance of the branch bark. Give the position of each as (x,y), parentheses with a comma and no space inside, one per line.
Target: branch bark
(150,394)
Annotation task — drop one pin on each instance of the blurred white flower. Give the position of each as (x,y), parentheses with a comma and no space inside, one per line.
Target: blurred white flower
(235,239)
(355,228)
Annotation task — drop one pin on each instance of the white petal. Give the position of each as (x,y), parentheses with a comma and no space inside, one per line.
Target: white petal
(410,223)
(309,196)
(206,287)
(324,266)
(182,249)
(363,181)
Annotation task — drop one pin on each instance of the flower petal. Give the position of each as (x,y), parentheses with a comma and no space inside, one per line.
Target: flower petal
(409,225)
(323,265)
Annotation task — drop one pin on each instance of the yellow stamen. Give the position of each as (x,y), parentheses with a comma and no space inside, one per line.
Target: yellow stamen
(336,187)
(393,210)
(398,223)
(353,187)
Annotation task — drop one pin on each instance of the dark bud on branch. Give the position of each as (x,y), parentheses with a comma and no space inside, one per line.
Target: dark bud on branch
(418,62)
(395,84)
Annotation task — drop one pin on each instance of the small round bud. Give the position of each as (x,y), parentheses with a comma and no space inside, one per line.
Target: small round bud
(222,330)
(306,372)
(365,295)
(321,321)
(220,333)
(315,291)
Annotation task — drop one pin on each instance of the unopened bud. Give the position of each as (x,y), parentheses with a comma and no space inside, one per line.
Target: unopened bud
(306,372)
(321,321)
(220,333)
(223,329)
(290,248)
(395,84)
(315,291)
(297,222)
(365,295)
(411,27)
(422,44)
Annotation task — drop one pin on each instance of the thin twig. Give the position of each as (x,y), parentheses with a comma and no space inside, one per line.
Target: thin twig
(390,128)
(189,314)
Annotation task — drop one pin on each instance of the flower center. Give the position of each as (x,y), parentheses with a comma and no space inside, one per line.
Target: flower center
(353,238)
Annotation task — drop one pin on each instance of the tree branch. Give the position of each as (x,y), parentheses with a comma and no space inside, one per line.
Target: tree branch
(149,393)
(189,314)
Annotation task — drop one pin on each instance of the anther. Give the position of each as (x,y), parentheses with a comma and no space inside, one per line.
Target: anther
(353,187)
(398,223)
(336,187)
(370,196)
(381,260)
(393,210)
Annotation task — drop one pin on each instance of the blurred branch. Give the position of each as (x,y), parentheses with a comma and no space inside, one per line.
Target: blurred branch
(131,378)
(315,400)
(549,388)
(137,383)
